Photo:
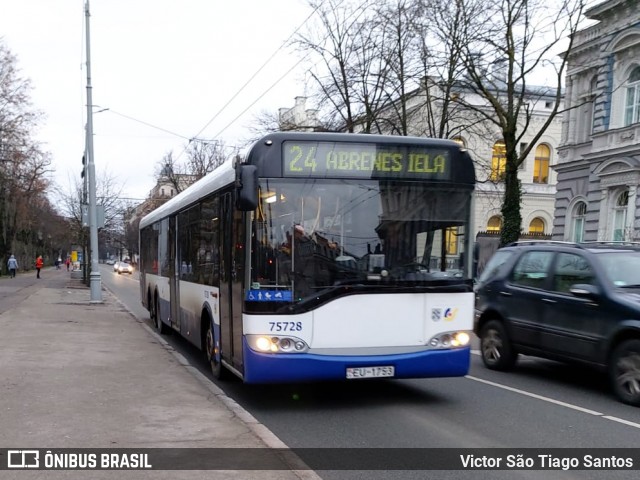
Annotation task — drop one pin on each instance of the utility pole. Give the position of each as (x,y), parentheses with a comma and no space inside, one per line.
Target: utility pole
(95,280)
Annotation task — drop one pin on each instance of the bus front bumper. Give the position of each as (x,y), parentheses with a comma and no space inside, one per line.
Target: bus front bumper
(309,367)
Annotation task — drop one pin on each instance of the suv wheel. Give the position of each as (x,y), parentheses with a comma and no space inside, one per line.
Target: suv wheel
(495,346)
(624,372)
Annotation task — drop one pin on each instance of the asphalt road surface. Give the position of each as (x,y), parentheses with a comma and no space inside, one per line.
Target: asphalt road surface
(540,404)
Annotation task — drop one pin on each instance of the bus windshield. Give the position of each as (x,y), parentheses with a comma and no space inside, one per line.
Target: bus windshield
(310,235)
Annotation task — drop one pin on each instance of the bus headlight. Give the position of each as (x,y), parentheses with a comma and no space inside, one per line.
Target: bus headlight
(263,344)
(450,340)
(460,339)
(268,344)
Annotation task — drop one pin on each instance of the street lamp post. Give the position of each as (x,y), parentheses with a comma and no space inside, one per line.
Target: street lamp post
(95,280)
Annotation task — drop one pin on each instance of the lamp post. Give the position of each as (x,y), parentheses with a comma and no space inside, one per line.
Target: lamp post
(95,281)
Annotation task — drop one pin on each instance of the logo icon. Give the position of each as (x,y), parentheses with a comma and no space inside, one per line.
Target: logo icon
(23,459)
(450,314)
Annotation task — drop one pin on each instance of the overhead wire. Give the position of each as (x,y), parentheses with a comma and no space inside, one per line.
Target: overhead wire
(261,95)
(235,95)
(284,43)
(147,124)
(288,71)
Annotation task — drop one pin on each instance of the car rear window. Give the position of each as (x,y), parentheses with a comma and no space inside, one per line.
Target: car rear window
(571,269)
(531,269)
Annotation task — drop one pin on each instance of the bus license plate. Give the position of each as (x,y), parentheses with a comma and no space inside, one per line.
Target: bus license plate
(370,372)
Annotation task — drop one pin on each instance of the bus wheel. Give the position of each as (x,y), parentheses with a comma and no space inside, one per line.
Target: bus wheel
(624,372)
(152,308)
(495,347)
(161,327)
(219,372)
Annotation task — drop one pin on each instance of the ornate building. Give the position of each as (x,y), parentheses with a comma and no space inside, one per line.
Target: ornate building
(599,156)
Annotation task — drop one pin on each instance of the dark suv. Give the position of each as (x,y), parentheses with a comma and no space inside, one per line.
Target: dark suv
(567,302)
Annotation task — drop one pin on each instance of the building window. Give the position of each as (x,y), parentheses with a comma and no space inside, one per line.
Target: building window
(536,225)
(577,222)
(632,107)
(162,192)
(451,241)
(498,162)
(494,224)
(591,114)
(541,165)
(620,216)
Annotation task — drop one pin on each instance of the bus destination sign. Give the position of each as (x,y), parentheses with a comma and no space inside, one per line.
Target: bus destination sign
(359,160)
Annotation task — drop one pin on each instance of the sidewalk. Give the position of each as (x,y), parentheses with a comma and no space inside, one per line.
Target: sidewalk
(79,375)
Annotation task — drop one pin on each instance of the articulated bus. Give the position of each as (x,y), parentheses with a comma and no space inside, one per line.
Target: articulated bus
(320,256)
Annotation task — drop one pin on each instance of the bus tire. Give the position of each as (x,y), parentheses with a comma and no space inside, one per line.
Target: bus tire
(495,347)
(151,306)
(217,369)
(624,372)
(161,327)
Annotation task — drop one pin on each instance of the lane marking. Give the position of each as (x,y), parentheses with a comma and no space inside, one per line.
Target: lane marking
(555,402)
(535,395)
(551,400)
(621,420)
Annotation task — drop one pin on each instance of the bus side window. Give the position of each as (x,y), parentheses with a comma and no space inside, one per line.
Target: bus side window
(209,241)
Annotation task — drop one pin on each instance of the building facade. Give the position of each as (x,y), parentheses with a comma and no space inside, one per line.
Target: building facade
(298,117)
(537,179)
(484,141)
(598,167)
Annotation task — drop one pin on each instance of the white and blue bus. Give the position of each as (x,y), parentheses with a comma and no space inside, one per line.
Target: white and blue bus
(320,256)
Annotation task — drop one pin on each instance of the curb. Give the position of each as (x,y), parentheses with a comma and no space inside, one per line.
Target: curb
(297,466)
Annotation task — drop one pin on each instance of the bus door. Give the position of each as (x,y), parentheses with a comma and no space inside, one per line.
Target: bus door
(237,279)
(226,234)
(174,278)
(231,276)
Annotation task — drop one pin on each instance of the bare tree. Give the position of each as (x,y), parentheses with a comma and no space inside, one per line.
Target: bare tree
(267,122)
(169,171)
(343,45)
(400,72)
(204,157)
(24,167)
(506,42)
(109,196)
(395,69)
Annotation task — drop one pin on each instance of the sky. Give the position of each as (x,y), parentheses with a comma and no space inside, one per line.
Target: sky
(166,70)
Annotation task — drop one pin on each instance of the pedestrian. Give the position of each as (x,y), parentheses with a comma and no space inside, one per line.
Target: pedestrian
(68,262)
(12,265)
(39,264)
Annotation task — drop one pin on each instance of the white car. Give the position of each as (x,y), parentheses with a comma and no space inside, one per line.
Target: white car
(123,267)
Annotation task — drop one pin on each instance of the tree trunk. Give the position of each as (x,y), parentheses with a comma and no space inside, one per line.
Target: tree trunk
(512,219)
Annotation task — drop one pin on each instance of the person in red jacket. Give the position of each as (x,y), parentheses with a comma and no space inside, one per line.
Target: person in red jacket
(39,264)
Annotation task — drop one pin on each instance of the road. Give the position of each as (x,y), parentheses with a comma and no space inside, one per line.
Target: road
(541,404)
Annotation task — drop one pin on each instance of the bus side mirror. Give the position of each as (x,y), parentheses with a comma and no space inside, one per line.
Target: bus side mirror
(247,187)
